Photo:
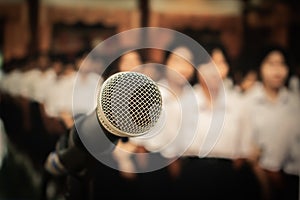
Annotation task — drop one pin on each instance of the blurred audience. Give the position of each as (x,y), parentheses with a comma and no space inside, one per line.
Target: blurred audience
(237,139)
(214,147)
(272,112)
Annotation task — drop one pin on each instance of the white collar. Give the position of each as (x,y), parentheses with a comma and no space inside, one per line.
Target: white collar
(261,97)
(220,101)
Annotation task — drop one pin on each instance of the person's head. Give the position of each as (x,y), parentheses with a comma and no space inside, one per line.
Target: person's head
(274,67)
(68,68)
(209,78)
(152,70)
(248,80)
(219,56)
(79,58)
(57,65)
(43,61)
(128,61)
(179,61)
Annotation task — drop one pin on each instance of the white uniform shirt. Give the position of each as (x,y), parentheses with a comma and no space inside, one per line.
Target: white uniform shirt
(294,85)
(43,82)
(29,79)
(12,82)
(60,96)
(218,130)
(274,128)
(86,89)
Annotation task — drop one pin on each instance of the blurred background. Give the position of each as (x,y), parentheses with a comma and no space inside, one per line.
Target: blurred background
(67,26)
(65,30)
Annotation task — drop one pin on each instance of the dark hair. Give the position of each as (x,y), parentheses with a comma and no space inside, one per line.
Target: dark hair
(113,67)
(192,46)
(172,46)
(211,46)
(265,51)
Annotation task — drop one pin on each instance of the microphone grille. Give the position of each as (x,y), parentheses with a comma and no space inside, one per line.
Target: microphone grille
(129,104)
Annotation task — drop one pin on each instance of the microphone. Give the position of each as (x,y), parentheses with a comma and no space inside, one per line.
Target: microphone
(129,104)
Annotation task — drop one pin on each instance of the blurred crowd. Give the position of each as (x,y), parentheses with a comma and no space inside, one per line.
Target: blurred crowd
(220,137)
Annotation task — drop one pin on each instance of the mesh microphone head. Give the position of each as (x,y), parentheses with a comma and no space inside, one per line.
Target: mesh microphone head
(129,104)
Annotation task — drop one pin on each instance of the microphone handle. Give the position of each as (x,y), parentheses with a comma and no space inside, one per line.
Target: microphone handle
(100,141)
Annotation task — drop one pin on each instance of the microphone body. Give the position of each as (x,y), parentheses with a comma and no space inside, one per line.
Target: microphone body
(75,156)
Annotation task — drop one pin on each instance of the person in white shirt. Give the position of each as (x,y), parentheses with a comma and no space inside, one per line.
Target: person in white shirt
(179,77)
(86,85)
(294,84)
(12,82)
(32,77)
(294,80)
(213,148)
(58,101)
(248,79)
(215,96)
(221,59)
(272,112)
(160,147)
(44,80)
